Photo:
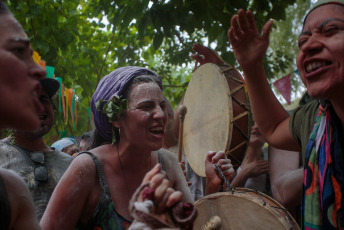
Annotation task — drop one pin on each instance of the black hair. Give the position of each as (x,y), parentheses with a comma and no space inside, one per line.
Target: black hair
(87,136)
(3,8)
(97,140)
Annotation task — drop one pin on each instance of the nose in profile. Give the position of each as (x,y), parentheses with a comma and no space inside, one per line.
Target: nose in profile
(36,71)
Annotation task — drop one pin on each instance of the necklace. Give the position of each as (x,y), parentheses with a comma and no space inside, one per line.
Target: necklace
(122,169)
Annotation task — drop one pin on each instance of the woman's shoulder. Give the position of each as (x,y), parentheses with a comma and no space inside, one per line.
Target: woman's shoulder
(83,165)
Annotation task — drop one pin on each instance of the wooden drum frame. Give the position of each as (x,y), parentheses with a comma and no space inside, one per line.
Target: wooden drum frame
(218,117)
(242,208)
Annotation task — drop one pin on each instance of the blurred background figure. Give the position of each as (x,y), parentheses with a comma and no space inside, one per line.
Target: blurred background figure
(67,145)
(85,141)
(253,172)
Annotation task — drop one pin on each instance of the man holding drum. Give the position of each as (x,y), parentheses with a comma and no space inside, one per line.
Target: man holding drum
(317,127)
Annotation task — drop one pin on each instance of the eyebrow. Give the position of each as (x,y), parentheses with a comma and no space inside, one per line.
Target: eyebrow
(308,32)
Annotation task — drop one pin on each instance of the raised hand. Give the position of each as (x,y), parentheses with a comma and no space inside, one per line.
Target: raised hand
(205,55)
(248,45)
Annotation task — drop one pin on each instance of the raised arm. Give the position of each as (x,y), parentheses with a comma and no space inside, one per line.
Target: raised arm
(249,49)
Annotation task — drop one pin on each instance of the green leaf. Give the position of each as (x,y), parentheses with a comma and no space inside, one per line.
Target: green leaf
(158,38)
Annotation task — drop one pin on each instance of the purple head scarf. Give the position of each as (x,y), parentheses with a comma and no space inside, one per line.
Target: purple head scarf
(110,85)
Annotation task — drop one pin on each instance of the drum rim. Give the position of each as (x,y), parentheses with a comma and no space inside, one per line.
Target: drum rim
(238,190)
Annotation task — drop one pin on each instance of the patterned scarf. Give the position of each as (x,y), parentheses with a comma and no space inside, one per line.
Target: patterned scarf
(323,180)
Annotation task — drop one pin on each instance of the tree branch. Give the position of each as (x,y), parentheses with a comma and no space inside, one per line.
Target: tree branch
(31,21)
(106,55)
(179,37)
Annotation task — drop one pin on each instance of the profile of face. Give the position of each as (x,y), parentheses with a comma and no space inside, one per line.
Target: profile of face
(256,138)
(19,75)
(46,118)
(143,124)
(321,56)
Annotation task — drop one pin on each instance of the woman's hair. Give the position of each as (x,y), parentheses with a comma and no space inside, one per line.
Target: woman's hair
(97,139)
(4,9)
(138,80)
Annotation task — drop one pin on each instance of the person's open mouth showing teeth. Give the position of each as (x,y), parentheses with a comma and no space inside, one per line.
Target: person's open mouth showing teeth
(316,65)
(157,130)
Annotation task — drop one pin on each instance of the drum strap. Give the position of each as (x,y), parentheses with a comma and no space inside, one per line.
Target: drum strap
(223,179)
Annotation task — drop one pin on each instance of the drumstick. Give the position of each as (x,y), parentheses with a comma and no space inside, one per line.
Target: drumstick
(182,111)
(213,224)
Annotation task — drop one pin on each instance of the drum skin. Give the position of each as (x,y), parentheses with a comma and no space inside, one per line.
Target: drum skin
(218,117)
(243,209)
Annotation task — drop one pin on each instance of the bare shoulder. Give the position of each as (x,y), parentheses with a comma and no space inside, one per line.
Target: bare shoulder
(15,185)
(20,201)
(81,169)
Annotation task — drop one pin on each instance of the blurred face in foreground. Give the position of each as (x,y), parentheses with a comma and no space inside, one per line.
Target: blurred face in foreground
(321,57)
(19,75)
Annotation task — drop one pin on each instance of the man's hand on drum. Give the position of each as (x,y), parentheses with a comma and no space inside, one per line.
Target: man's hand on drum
(213,176)
(248,45)
(164,196)
(205,55)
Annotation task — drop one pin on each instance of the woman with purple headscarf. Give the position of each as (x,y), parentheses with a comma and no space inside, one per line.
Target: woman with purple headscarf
(130,116)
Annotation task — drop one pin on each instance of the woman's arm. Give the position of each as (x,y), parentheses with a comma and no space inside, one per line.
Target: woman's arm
(249,170)
(249,48)
(70,196)
(285,173)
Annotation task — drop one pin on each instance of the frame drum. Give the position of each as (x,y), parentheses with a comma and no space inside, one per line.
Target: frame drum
(218,116)
(242,208)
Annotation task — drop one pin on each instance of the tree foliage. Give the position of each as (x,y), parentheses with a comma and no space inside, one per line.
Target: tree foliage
(86,39)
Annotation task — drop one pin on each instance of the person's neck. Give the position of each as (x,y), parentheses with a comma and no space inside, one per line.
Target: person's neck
(133,157)
(253,153)
(32,144)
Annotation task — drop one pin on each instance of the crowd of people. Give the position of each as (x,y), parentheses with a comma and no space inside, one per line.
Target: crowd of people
(124,174)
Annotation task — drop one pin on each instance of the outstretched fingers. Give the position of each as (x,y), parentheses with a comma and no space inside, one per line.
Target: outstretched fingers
(250,20)
(234,31)
(266,30)
(242,20)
